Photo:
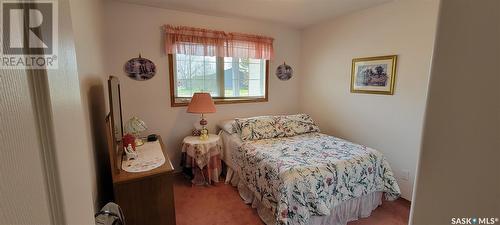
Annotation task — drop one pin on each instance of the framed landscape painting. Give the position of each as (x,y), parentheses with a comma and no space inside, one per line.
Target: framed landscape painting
(374,75)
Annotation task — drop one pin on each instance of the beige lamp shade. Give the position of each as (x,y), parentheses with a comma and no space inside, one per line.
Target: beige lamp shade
(201,103)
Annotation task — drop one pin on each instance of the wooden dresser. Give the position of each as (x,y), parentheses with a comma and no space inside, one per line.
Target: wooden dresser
(146,198)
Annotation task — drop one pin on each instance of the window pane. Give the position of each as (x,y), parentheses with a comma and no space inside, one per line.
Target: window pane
(184,88)
(196,58)
(210,70)
(244,68)
(197,85)
(241,77)
(197,69)
(196,74)
(255,87)
(244,77)
(182,67)
(181,57)
(255,71)
(211,86)
(256,61)
(231,77)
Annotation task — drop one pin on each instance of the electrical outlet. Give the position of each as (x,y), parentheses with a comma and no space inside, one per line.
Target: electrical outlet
(405,174)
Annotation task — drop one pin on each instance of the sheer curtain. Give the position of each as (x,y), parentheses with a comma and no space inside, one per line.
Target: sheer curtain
(205,42)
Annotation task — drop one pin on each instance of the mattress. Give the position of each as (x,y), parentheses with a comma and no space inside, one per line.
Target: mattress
(309,175)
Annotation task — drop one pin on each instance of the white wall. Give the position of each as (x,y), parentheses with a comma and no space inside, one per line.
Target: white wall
(87,21)
(391,124)
(459,165)
(133,29)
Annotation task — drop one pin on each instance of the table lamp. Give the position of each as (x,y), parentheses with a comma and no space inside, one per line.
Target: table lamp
(201,103)
(135,126)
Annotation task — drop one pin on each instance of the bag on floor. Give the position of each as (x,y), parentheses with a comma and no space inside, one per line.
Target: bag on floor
(110,214)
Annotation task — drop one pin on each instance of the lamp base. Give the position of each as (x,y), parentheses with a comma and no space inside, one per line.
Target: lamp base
(204,131)
(203,121)
(138,142)
(204,134)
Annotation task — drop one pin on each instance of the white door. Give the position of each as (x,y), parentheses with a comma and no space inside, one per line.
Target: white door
(44,146)
(24,197)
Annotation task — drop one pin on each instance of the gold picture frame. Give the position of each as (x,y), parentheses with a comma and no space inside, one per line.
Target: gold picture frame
(374,75)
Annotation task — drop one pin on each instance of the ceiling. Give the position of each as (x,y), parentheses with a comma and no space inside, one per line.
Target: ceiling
(295,13)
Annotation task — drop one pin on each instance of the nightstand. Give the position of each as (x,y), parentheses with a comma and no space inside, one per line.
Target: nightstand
(203,158)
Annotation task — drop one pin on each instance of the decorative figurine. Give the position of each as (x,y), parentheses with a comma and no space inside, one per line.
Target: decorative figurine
(130,153)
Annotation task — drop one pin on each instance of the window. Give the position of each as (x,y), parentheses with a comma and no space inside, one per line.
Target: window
(232,67)
(227,79)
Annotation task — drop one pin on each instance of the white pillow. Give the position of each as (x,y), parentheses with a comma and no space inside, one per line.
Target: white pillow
(227,125)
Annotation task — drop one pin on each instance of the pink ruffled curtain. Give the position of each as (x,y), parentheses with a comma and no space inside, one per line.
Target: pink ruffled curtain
(204,42)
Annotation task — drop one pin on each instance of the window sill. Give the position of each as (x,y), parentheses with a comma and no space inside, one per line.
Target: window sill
(180,102)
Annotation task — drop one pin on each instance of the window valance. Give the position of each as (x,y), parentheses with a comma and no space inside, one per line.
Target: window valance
(205,42)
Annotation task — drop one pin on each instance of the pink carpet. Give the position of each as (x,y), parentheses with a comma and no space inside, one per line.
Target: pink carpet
(220,204)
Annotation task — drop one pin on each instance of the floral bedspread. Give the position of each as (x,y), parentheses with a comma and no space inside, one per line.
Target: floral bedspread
(309,174)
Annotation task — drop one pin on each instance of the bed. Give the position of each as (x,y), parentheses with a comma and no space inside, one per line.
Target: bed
(293,174)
